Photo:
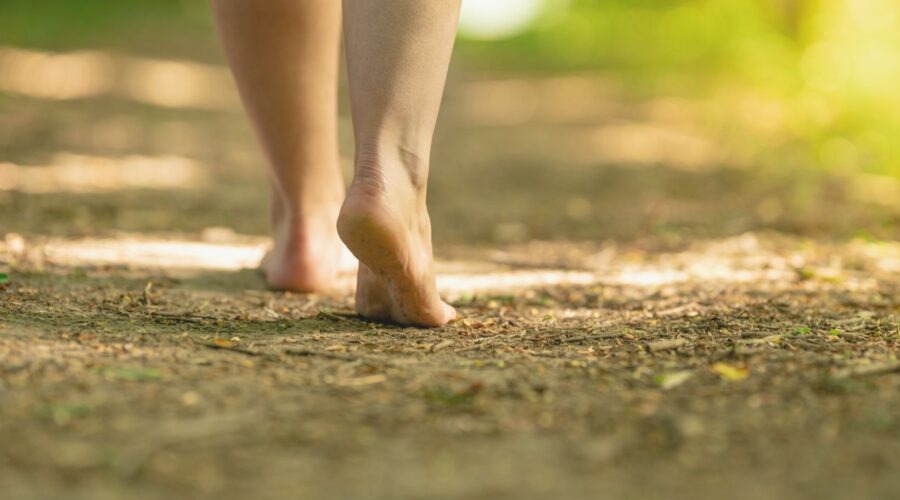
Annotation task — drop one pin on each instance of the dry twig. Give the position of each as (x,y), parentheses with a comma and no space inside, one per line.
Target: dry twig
(665,345)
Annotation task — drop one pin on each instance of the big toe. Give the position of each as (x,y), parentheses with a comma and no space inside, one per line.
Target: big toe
(450,313)
(439,316)
(434,315)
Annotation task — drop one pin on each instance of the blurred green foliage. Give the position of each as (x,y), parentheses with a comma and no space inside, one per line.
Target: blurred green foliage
(168,27)
(791,83)
(820,76)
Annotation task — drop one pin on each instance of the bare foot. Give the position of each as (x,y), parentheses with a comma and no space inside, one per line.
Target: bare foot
(385,224)
(307,255)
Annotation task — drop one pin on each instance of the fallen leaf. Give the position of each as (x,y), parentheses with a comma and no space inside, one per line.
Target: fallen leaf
(730,373)
(673,379)
(133,374)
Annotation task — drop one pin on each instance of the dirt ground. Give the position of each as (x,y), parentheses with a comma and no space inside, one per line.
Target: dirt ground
(648,311)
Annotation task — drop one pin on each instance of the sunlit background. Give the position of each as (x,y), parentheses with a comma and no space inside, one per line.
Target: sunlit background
(813,79)
(674,119)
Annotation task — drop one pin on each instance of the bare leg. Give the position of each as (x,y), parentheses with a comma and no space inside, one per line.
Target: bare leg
(284,55)
(397,56)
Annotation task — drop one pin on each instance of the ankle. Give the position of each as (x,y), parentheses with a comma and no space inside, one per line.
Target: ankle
(304,208)
(385,162)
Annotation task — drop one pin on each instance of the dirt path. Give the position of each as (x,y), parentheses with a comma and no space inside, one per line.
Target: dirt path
(645,316)
(725,369)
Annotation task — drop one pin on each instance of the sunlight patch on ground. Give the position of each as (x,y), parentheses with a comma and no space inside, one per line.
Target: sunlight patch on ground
(69,173)
(197,255)
(178,84)
(156,254)
(558,99)
(83,74)
(733,260)
(748,259)
(651,144)
(511,280)
(665,132)
(878,189)
(634,144)
(50,75)
(884,255)
(712,270)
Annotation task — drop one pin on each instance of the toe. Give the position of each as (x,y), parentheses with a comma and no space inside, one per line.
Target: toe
(265,263)
(450,313)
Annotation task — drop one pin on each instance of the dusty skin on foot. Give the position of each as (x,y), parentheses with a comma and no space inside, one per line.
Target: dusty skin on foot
(385,224)
(307,255)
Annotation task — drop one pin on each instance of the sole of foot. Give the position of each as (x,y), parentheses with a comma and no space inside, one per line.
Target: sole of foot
(395,281)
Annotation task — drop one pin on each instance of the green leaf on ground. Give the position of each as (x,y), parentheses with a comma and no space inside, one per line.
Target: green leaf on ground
(729,372)
(131,374)
(672,379)
(803,330)
(64,413)
(137,374)
(77,274)
(4,278)
(448,397)
(806,274)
